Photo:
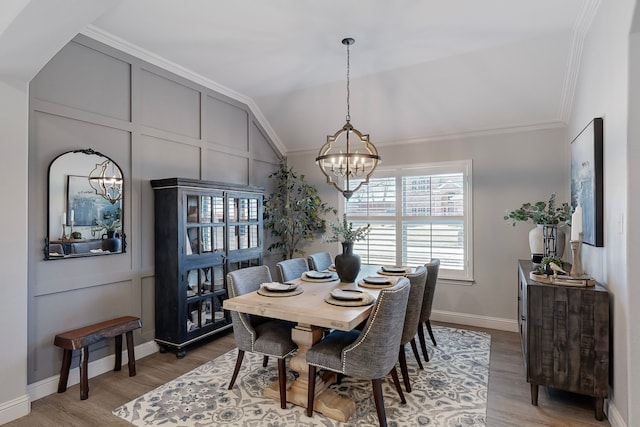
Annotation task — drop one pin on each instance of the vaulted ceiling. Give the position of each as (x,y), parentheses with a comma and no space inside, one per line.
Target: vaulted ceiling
(419,68)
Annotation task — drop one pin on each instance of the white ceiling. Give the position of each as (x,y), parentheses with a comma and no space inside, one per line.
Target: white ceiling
(419,68)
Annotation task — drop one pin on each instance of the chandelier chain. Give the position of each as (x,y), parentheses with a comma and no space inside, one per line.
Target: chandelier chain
(348,89)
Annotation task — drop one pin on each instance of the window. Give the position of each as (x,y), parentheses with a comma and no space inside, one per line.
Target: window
(416,214)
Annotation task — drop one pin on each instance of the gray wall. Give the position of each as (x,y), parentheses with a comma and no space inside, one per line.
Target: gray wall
(154,125)
(508,170)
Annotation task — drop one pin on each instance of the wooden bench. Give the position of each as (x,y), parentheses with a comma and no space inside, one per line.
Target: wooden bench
(81,338)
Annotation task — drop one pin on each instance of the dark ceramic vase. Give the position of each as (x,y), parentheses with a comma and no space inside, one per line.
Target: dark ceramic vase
(111,243)
(347,263)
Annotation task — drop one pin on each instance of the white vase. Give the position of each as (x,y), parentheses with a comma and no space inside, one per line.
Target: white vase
(536,240)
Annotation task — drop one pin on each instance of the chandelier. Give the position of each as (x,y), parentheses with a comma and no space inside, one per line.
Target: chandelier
(106,181)
(348,153)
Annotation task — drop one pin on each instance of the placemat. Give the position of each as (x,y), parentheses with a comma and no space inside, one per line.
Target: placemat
(367,299)
(267,293)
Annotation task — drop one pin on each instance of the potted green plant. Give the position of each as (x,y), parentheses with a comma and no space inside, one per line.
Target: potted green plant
(541,213)
(347,263)
(293,213)
(545,215)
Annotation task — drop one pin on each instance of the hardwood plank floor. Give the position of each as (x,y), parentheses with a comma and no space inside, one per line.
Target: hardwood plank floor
(509,401)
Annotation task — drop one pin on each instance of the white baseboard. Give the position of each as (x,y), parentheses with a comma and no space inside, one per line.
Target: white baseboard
(475,320)
(49,385)
(614,417)
(14,409)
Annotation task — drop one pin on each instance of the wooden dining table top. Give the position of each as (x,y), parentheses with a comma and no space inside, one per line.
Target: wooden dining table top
(309,307)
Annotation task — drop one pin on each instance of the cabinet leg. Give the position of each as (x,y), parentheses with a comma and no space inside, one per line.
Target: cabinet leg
(599,408)
(534,394)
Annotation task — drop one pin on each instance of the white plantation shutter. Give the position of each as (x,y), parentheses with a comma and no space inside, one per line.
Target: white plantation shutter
(415,215)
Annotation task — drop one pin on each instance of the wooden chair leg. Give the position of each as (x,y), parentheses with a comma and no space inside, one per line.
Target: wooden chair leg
(131,354)
(265,360)
(433,340)
(64,371)
(237,368)
(376,384)
(84,373)
(414,348)
(396,381)
(423,343)
(282,381)
(402,358)
(311,391)
(118,365)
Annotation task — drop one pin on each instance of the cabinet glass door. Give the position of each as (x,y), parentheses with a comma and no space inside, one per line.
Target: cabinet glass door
(205,224)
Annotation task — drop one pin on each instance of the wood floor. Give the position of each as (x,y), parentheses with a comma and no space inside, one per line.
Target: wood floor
(509,402)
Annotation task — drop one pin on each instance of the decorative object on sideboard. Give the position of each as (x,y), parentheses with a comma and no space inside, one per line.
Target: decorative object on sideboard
(348,153)
(548,237)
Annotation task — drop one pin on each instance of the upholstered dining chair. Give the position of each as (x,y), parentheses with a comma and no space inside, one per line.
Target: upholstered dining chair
(433,268)
(417,280)
(258,334)
(368,354)
(320,261)
(291,269)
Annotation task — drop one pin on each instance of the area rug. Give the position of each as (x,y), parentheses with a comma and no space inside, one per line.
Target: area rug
(450,391)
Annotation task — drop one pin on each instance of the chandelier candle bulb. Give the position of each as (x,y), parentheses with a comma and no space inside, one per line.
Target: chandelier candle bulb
(576,223)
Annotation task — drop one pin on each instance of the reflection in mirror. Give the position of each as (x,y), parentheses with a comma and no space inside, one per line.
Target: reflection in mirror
(86,209)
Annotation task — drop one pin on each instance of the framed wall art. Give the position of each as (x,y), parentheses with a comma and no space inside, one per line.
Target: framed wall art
(586,180)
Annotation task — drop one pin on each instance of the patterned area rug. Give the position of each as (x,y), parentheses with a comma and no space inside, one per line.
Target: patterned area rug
(450,391)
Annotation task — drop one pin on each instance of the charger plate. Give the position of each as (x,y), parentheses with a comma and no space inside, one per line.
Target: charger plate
(267,293)
(367,299)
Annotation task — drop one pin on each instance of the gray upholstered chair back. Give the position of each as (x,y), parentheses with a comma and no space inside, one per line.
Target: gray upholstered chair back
(320,261)
(247,280)
(418,281)
(242,282)
(375,352)
(429,291)
(291,269)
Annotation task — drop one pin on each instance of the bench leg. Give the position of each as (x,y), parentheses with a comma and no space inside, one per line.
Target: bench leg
(84,373)
(118,353)
(130,354)
(64,371)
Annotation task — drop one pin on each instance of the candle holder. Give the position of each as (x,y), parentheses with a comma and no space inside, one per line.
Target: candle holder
(71,233)
(576,250)
(64,232)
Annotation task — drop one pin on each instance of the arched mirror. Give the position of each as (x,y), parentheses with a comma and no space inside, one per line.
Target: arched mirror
(85,206)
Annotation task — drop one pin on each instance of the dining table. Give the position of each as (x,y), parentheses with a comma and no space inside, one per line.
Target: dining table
(314,311)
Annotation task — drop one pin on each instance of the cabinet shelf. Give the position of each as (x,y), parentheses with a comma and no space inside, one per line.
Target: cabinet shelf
(197,244)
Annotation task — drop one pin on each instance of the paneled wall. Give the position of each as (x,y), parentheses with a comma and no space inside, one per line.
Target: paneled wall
(154,124)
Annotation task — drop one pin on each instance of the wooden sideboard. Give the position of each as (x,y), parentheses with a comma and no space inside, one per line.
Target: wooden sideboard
(564,332)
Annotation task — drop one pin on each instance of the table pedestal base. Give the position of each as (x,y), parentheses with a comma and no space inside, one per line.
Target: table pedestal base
(326,401)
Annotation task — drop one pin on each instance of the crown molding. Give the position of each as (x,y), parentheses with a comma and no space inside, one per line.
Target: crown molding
(580,30)
(150,57)
(459,135)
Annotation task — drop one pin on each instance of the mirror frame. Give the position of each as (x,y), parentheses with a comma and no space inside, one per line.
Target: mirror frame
(89,152)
